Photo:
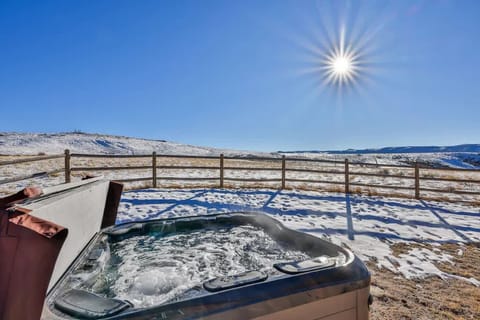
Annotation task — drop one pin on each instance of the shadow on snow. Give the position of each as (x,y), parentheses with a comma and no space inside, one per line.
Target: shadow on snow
(344,202)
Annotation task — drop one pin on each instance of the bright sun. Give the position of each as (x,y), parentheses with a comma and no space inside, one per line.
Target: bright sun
(341,62)
(339,53)
(341,65)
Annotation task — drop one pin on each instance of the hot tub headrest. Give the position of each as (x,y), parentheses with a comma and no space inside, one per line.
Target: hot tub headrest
(86,305)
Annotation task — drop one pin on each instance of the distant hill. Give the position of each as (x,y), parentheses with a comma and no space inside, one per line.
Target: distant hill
(465,156)
(413,149)
(12,143)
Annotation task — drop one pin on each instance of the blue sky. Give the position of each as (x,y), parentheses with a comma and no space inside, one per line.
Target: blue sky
(242,74)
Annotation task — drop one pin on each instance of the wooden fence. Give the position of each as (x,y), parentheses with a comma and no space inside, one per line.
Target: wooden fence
(288,170)
(32,175)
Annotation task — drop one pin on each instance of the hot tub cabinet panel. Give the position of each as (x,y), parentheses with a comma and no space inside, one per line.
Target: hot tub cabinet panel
(350,305)
(333,285)
(271,301)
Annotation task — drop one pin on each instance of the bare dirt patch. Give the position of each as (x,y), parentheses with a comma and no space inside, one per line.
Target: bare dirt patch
(431,298)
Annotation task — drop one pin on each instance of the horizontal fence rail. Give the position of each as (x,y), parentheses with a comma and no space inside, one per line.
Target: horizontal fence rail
(109,168)
(30,176)
(32,159)
(316,181)
(84,155)
(341,175)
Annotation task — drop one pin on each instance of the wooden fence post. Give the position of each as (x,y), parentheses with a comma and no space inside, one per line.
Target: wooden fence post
(67,166)
(221,170)
(347,178)
(417,181)
(283,171)
(154,169)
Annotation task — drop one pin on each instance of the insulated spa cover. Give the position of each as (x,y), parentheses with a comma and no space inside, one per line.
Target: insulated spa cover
(41,236)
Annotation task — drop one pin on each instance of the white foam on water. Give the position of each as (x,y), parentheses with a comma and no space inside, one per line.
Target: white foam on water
(153,269)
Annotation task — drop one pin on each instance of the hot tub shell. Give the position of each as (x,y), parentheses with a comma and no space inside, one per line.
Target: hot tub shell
(328,293)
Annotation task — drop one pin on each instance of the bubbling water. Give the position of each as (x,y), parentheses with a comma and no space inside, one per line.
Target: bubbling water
(156,268)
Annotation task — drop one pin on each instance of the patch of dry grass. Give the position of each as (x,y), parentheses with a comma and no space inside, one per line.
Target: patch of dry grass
(432,298)
(466,260)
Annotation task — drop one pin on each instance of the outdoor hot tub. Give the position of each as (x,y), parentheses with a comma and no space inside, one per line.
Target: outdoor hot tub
(228,266)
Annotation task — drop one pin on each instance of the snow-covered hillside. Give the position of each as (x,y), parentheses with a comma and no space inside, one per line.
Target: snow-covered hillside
(409,149)
(465,160)
(35,143)
(466,156)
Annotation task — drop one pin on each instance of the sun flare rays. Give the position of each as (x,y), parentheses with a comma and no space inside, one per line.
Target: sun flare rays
(340,50)
(341,65)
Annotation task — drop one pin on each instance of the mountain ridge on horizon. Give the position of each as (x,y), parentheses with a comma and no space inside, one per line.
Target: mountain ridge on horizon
(464,148)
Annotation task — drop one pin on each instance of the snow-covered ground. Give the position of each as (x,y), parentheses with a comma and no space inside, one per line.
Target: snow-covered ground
(367,225)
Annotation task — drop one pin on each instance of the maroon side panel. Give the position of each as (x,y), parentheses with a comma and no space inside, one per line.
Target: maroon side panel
(8,248)
(111,206)
(4,202)
(27,259)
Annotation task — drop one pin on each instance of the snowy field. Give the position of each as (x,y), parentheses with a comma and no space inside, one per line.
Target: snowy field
(414,239)
(367,225)
(20,145)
